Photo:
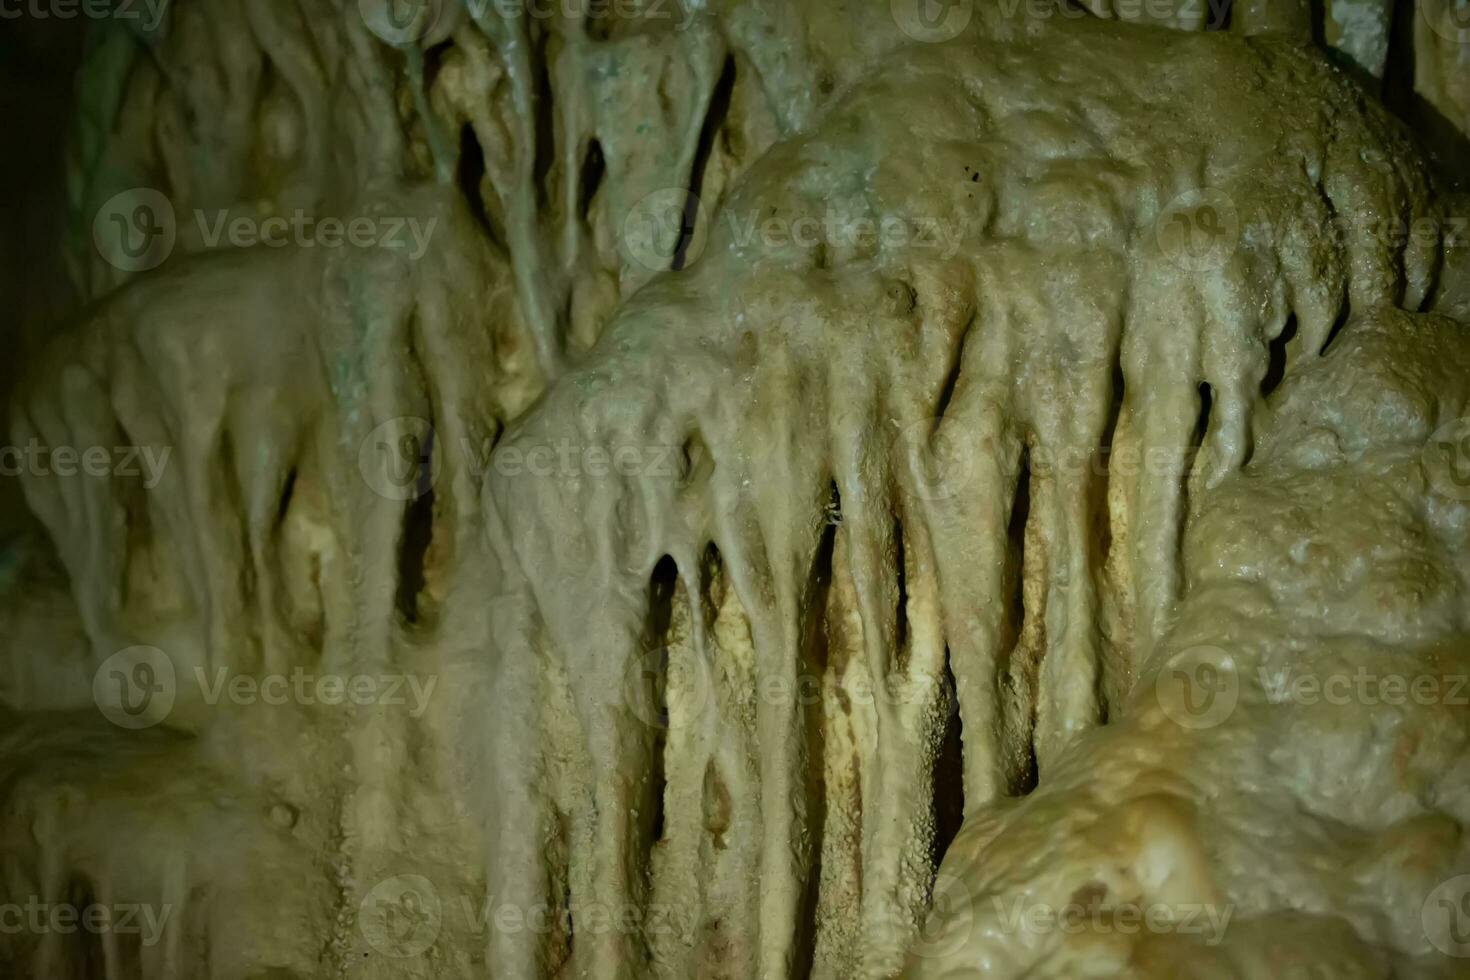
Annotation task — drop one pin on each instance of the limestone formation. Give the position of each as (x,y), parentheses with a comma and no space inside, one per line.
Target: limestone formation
(749,489)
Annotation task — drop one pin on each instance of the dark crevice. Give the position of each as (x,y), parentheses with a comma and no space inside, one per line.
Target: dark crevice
(901,617)
(1279,349)
(562,928)
(1016,536)
(87,958)
(287,491)
(594,169)
(471,181)
(138,529)
(1319,24)
(234,496)
(695,463)
(1202,425)
(545,113)
(1100,519)
(714,120)
(948,778)
(1398,76)
(1193,462)
(1022,778)
(711,583)
(813,665)
(952,379)
(1102,471)
(718,806)
(662,585)
(433,61)
(418,525)
(1342,321)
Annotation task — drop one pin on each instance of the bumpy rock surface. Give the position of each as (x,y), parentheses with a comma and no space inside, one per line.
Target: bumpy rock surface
(827,494)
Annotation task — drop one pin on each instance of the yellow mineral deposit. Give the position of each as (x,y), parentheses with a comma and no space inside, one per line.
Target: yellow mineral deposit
(750,489)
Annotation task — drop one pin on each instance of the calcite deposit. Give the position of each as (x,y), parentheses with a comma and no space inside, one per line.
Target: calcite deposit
(749,489)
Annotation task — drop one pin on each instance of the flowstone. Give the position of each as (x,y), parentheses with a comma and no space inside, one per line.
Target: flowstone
(774,490)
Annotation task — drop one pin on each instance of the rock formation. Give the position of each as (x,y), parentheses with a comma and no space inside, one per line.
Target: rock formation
(750,490)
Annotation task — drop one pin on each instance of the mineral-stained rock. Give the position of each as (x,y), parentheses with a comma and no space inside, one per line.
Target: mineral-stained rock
(802,436)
